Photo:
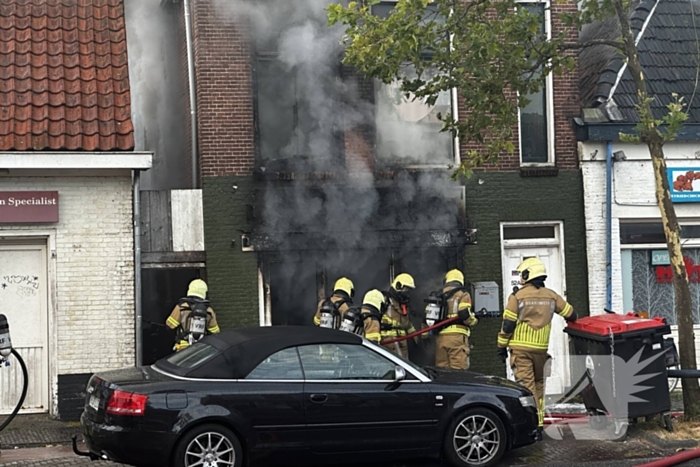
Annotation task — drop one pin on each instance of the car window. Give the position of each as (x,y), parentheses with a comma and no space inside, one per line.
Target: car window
(193,355)
(281,365)
(344,362)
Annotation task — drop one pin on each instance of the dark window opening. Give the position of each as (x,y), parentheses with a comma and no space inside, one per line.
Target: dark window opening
(408,129)
(533,117)
(652,232)
(297,105)
(540,231)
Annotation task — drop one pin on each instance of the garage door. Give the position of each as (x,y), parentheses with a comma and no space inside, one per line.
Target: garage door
(24,299)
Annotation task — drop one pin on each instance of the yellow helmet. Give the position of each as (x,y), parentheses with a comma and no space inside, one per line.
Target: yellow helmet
(403,280)
(530,269)
(198,288)
(454,276)
(344,284)
(375,298)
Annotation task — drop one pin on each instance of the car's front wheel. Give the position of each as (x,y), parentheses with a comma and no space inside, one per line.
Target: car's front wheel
(209,446)
(475,438)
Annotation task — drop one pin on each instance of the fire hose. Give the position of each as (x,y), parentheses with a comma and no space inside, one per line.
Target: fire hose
(24,390)
(5,351)
(420,331)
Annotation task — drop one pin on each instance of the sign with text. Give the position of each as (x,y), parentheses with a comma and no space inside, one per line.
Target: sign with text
(684,184)
(35,207)
(660,258)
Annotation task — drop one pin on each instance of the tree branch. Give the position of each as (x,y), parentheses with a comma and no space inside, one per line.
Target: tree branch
(592,43)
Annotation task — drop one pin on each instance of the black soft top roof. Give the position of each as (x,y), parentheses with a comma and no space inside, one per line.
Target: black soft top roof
(242,350)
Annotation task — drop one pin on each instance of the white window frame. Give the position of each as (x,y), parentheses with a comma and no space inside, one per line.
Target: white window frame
(454,108)
(549,97)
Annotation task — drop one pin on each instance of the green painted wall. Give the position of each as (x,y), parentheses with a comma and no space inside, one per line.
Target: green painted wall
(506,196)
(232,274)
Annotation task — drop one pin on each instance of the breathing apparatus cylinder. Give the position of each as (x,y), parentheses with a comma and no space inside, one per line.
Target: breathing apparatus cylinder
(5,342)
(435,308)
(352,322)
(198,320)
(329,315)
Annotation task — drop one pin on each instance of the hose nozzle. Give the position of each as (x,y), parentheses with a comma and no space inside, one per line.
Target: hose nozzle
(5,342)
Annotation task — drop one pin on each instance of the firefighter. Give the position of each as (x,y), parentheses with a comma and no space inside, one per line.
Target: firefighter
(337,304)
(395,319)
(452,345)
(527,321)
(372,313)
(182,320)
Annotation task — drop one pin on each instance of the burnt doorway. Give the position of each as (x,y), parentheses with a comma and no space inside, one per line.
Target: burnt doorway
(160,291)
(298,281)
(292,290)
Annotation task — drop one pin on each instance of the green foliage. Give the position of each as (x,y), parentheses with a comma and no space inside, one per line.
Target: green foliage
(493,52)
(491,55)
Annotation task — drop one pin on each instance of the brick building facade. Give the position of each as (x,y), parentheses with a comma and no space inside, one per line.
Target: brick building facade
(267,219)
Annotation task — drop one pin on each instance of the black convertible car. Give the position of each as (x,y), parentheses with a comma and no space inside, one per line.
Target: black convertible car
(299,395)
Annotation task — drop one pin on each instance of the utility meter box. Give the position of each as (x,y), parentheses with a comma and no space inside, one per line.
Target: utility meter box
(486,298)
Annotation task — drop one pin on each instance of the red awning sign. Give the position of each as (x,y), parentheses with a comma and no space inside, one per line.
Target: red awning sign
(28,207)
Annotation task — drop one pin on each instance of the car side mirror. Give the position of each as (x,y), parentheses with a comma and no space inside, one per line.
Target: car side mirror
(399,373)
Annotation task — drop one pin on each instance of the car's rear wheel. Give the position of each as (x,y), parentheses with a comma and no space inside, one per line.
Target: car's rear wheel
(475,438)
(209,446)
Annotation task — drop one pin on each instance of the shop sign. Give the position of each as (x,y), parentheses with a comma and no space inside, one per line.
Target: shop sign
(684,184)
(660,258)
(664,274)
(22,207)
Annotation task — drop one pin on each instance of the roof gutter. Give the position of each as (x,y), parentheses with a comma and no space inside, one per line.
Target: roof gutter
(193,97)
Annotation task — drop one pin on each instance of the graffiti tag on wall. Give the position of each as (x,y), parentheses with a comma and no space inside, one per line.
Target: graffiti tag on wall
(24,280)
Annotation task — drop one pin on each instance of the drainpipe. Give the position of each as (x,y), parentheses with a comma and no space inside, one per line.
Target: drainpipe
(135,181)
(608,225)
(455,116)
(193,97)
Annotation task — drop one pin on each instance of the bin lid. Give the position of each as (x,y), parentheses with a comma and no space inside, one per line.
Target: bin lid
(601,325)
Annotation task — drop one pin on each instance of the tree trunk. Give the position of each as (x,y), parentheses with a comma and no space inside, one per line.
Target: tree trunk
(684,314)
(651,135)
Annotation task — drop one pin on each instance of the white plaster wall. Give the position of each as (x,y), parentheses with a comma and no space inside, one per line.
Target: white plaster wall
(94,269)
(633,199)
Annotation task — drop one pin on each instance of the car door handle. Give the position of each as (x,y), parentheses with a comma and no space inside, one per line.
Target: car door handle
(319,398)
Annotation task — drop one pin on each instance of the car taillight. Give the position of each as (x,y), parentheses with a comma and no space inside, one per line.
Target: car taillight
(126,403)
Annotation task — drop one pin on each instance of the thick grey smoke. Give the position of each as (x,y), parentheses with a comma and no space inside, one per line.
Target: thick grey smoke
(309,53)
(158,113)
(299,79)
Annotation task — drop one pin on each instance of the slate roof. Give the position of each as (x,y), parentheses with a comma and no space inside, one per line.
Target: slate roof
(64,82)
(669,52)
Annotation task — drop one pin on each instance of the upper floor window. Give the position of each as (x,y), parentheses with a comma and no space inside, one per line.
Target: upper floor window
(297,93)
(408,129)
(537,117)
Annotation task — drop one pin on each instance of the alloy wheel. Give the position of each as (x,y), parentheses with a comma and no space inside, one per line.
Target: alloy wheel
(210,449)
(476,439)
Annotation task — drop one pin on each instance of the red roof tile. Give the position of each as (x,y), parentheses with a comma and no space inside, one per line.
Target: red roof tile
(64,78)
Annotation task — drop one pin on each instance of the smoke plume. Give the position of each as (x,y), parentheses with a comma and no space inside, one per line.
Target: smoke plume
(297,59)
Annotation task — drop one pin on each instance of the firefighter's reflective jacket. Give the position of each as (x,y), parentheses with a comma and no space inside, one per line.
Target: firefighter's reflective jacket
(372,326)
(180,319)
(396,323)
(342,302)
(527,319)
(458,301)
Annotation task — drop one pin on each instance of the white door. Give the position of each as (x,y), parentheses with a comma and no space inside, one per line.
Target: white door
(24,298)
(558,341)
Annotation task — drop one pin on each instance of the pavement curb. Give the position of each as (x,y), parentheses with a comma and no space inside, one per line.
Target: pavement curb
(668,444)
